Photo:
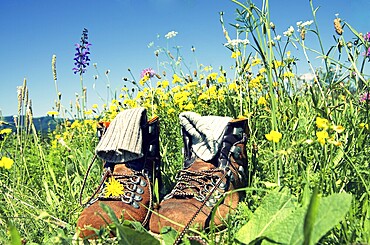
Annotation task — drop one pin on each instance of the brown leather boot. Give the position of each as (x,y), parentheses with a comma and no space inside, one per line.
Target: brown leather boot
(135,178)
(201,184)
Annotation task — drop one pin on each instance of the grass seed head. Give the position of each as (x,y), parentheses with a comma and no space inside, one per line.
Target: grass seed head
(338,26)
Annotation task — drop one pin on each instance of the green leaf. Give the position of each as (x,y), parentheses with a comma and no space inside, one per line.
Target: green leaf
(15,237)
(129,236)
(278,220)
(331,211)
(168,235)
(275,208)
(311,216)
(110,212)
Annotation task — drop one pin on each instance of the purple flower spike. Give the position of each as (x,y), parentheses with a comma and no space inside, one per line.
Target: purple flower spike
(147,72)
(82,55)
(367,37)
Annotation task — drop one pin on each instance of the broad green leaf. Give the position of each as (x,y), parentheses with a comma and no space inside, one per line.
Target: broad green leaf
(277,220)
(129,236)
(331,211)
(288,230)
(275,208)
(15,238)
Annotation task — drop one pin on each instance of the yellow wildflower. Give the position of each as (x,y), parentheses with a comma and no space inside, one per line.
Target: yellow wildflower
(189,106)
(113,108)
(75,124)
(6,131)
(88,112)
(140,94)
(233,86)
(95,106)
(256,61)
(144,79)
(89,122)
(322,123)
(288,74)
(235,55)
(274,136)
(321,136)
(255,82)
(171,110)
(203,96)
(262,101)
(114,188)
(208,68)
(221,79)
(212,76)
(277,63)
(165,84)
(363,125)
(262,70)
(52,113)
(176,79)
(220,94)
(130,103)
(6,162)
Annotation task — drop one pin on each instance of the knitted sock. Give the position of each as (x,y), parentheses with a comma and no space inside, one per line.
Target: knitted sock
(123,141)
(206,133)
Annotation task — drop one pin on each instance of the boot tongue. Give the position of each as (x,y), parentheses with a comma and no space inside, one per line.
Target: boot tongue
(122,169)
(200,165)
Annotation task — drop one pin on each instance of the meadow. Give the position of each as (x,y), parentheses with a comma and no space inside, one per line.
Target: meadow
(308,151)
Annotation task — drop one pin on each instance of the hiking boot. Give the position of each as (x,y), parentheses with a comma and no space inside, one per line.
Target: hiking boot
(129,174)
(215,163)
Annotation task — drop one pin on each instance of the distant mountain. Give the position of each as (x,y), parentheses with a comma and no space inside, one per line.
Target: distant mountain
(42,124)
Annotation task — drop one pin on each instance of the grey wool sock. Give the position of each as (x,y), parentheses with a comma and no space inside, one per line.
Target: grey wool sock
(123,141)
(206,133)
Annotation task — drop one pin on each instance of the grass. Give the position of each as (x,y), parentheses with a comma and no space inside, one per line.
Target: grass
(306,134)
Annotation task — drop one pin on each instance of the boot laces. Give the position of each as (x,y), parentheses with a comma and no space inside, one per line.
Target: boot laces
(195,183)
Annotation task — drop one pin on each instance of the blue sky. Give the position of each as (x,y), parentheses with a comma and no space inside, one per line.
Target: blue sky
(31,31)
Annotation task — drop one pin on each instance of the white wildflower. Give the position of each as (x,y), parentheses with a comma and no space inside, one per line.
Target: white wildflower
(277,38)
(289,32)
(171,34)
(236,42)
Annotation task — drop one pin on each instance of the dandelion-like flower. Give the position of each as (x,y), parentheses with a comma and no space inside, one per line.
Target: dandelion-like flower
(274,136)
(147,72)
(262,101)
(114,188)
(322,123)
(82,56)
(6,162)
(145,75)
(321,136)
(52,113)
